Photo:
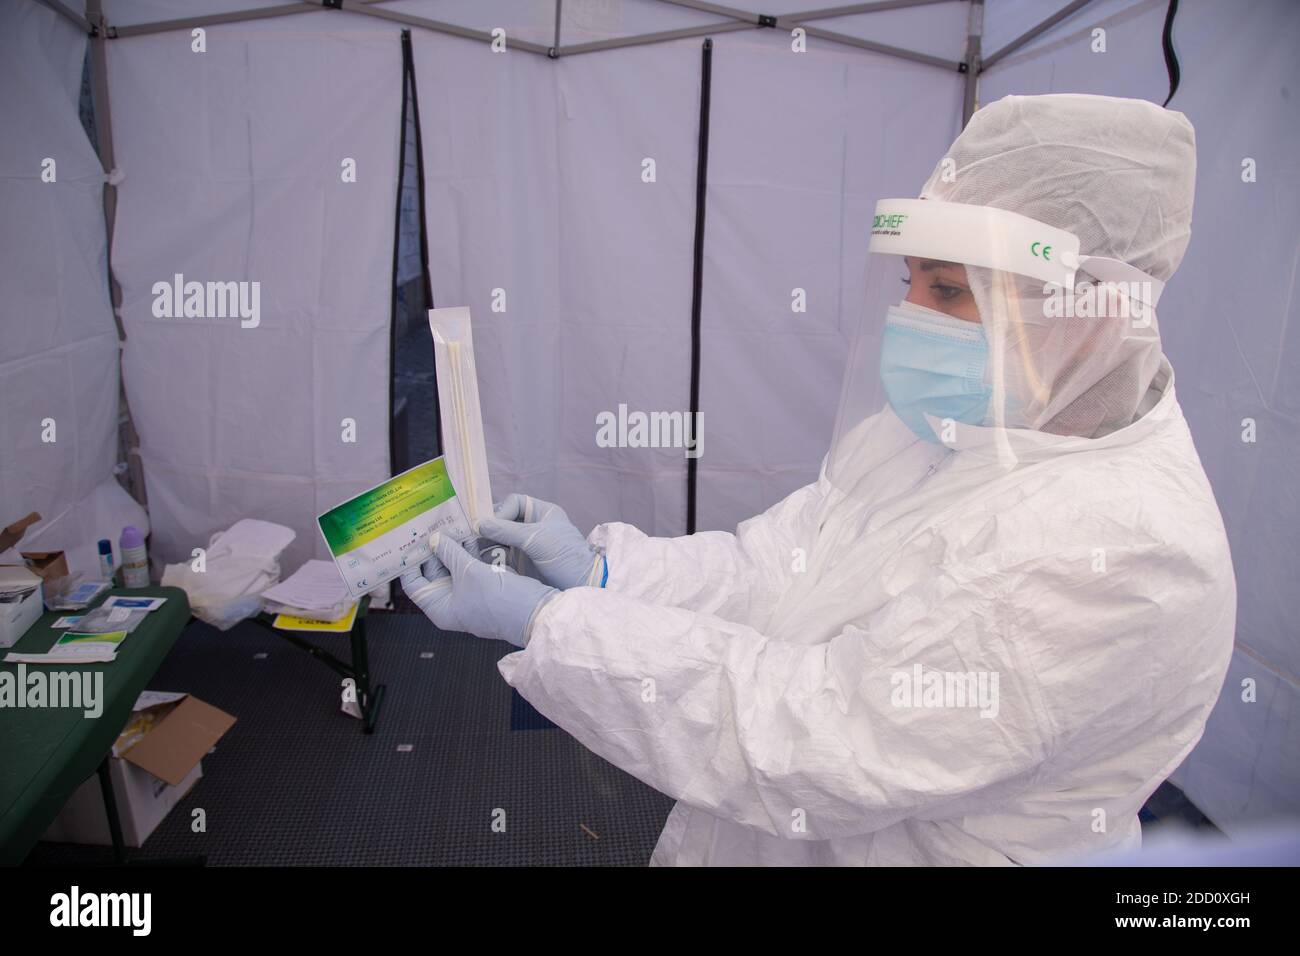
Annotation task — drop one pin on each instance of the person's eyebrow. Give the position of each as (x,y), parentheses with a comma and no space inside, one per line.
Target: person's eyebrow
(934,265)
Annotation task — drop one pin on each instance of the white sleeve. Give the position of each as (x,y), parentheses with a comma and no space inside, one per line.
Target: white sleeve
(738,576)
(807,741)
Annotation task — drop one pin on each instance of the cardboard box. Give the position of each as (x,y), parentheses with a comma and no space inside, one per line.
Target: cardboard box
(17,616)
(10,535)
(156,760)
(48,565)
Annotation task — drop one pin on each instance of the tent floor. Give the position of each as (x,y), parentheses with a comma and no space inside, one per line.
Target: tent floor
(295,782)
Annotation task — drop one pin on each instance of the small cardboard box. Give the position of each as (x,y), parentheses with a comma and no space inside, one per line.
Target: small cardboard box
(156,760)
(17,616)
(47,564)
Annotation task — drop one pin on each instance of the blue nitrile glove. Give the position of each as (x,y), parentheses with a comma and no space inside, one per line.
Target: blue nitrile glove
(543,532)
(459,593)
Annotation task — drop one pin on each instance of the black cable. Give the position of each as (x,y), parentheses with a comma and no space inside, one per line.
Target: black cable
(1171,58)
(697,278)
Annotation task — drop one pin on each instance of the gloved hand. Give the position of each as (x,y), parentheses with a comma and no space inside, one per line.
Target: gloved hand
(543,531)
(459,593)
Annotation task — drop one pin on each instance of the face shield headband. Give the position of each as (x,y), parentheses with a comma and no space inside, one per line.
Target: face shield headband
(999,240)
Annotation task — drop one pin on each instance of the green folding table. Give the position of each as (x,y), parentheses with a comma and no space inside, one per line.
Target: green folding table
(47,753)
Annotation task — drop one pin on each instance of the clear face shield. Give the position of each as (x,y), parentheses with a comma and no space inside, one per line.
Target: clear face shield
(985,330)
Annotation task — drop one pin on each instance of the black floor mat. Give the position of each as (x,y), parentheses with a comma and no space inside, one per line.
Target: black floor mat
(296,782)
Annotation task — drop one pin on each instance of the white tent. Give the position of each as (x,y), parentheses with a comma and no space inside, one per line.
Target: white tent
(225,137)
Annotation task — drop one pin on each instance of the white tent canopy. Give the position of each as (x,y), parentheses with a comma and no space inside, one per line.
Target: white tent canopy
(591,287)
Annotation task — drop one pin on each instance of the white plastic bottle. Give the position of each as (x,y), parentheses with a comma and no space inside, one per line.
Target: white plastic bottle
(135,559)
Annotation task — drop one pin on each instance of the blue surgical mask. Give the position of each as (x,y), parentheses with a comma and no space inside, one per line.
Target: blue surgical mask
(932,363)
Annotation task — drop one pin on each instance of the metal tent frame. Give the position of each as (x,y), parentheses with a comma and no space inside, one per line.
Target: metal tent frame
(97,27)
(735,19)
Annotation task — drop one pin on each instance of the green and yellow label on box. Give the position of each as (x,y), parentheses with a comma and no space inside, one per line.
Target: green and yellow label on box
(380,533)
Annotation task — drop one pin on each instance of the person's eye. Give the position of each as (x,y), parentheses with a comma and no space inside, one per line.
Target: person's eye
(947,293)
(906,280)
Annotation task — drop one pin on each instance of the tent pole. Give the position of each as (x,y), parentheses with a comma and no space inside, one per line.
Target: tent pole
(211,19)
(853,9)
(740,20)
(127,437)
(437,26)
(825,13)
(704,7)
(971,65)
(1035,31)
(790,22)
(872,46)
(64,12)
(736,25)
(365,7)
(642,39)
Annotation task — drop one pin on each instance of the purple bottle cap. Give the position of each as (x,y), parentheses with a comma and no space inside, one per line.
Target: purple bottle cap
(131,537)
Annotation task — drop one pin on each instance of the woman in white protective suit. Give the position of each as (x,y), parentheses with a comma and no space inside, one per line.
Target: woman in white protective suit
(1001,615)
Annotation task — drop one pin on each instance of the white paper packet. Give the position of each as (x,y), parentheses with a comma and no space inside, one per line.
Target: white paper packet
(464,450)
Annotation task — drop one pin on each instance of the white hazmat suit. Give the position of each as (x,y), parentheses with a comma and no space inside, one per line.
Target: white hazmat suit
(1060,566)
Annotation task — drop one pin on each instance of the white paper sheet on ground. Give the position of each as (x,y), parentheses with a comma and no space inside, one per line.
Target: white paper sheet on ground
(463,447)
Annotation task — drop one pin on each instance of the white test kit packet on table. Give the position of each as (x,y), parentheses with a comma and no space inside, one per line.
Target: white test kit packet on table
(135,603)
(382,532)
(110,620)
(462,419)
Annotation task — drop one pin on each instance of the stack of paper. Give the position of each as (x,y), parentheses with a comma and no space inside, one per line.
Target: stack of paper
(16,583)
(75,649)
(315,592)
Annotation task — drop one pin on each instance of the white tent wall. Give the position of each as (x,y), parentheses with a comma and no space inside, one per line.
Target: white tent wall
(233,164)
(1230,322)
(535,205)
(796,164)
(534,186)
(58,350)
(625,259)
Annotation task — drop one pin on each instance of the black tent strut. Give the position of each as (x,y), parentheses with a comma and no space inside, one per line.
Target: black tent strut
(408,61)
(697,278)
(397,245)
